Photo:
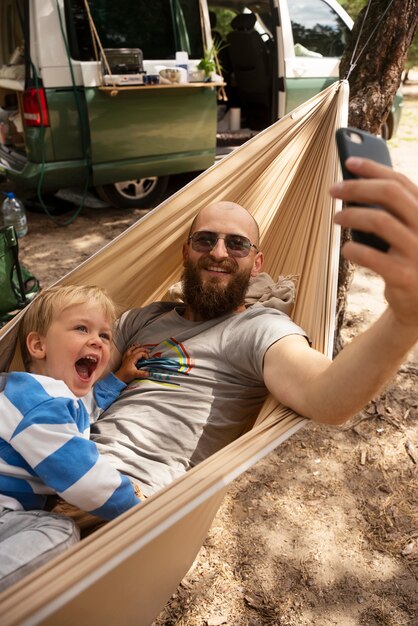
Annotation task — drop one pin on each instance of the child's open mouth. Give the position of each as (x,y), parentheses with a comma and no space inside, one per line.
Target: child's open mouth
(86,366)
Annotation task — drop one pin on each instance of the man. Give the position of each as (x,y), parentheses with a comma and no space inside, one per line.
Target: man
(212,361)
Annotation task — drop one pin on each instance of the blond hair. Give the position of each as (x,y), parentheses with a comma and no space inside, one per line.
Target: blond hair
(51,302)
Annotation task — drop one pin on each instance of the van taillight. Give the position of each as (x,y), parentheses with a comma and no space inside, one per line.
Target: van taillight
(35,108)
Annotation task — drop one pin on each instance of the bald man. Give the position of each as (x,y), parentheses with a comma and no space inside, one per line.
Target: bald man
(212,360)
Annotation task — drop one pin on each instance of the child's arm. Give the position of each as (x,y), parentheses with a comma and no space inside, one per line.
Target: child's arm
(108,389)
(53,438)
(104,392)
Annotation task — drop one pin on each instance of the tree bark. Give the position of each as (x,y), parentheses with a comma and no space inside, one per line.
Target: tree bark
(377,74)
(374,79)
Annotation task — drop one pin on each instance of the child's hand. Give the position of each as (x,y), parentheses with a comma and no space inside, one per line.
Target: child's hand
(128,370)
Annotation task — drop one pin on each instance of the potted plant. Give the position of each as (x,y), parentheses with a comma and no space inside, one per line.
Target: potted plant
(207,63)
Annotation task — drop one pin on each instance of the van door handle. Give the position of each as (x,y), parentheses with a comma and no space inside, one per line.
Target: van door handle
(299,70)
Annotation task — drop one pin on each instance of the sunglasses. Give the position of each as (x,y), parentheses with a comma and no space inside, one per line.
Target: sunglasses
(236,245)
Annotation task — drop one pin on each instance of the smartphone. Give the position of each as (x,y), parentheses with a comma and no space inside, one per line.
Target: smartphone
(358,143)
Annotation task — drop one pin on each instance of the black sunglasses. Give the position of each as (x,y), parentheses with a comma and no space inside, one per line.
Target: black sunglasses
(236,245)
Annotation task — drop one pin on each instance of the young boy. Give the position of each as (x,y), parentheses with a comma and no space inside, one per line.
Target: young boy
(46,411)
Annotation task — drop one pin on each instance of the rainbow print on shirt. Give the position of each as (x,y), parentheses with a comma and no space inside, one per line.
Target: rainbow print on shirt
(159,368)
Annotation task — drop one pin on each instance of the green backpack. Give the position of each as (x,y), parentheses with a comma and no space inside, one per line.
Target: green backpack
(17,285)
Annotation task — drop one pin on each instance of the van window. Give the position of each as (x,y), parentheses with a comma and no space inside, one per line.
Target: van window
(159,28)
(317,29)
(11,21)
(221,16)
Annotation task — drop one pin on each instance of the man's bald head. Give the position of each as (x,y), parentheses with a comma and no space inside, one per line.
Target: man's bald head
(227,217)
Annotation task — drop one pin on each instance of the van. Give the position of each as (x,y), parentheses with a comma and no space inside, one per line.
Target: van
(275,55)
(109,95)
(67,122)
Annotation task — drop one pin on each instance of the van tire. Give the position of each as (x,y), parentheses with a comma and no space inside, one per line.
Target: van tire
(140,193)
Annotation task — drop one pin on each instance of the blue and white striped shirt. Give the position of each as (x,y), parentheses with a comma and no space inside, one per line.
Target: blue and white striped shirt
(45,447)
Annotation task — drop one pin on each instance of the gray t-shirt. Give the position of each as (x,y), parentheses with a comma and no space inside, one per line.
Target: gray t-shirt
(205,385)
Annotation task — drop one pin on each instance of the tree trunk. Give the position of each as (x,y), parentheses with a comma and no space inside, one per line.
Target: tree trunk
(374,80)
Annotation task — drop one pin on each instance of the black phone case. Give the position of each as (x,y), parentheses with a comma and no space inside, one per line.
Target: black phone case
(358,143)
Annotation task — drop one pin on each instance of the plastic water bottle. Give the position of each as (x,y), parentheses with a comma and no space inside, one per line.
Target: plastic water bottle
(14,214)
(182,60)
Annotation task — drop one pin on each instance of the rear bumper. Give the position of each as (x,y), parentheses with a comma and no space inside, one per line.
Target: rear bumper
(11,160)
(29,176)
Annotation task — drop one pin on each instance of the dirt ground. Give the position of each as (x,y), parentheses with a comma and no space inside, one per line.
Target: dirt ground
(323,531)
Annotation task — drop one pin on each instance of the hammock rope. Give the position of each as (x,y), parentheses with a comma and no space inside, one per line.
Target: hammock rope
(354,60)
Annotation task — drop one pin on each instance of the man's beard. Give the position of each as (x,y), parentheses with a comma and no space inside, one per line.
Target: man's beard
(213,299)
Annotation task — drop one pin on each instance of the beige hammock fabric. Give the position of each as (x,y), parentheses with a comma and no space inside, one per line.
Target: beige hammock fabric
(125,572)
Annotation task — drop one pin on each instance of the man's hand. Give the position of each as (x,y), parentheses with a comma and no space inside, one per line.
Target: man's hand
(128,370)
(398,225)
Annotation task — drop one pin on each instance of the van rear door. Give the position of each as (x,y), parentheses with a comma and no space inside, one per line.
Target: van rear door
(141,130)
(314,35)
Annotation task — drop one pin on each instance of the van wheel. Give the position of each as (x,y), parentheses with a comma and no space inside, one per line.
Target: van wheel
(140,193)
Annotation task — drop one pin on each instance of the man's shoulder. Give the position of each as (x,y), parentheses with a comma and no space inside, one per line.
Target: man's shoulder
(271,317)
(159,307)
(258,310)
(148,312)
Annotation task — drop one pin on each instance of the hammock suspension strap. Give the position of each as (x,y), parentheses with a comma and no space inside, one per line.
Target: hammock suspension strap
(354,59)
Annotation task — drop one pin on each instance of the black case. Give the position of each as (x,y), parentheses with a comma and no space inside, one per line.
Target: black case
(123,60)
(358,143)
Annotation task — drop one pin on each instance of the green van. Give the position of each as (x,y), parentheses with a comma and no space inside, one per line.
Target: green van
(65,123)
(109,95)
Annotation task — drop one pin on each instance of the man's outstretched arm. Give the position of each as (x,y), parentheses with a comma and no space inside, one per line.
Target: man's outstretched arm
(332,392)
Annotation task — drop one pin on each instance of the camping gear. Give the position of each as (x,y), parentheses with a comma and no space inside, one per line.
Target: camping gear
(17,285)
(14,214)
(125,572)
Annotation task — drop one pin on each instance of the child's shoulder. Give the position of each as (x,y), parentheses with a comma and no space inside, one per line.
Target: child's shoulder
(36,383)
(8,379)
(3,379)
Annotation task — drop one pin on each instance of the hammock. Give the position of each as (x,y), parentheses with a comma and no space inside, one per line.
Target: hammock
(125,572)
